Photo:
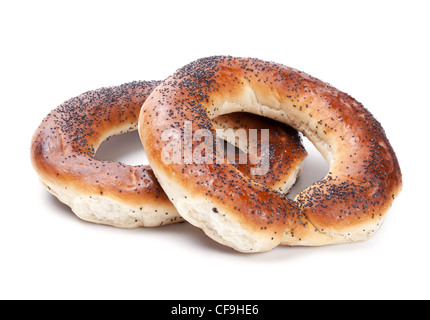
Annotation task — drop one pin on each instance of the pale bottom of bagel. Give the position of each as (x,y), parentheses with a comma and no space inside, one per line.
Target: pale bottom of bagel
(102,210)
(225,229)
(323,238)
(221,226)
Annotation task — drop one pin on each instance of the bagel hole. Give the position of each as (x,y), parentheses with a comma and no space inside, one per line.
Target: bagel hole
(125,148)
(315,167)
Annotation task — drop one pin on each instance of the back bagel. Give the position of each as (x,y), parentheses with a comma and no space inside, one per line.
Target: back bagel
(64,146)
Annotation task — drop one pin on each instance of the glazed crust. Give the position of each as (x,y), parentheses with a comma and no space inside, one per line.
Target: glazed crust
(64,146)
(349,204)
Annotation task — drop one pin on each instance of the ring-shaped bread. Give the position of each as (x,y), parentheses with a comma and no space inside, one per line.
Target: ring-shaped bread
(348,204)
(63,152)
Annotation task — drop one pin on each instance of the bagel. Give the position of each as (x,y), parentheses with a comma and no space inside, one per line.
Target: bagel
(64,147)
(349,204)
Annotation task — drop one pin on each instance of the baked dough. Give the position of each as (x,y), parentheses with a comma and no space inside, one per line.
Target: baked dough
(348,204)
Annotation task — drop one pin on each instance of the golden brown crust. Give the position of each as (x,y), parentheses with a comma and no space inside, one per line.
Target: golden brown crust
(64,146)
(347,205)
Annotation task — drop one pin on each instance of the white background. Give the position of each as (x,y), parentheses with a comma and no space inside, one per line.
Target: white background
(377,51)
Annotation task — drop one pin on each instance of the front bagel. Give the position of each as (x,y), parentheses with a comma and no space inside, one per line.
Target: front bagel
(349,204)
